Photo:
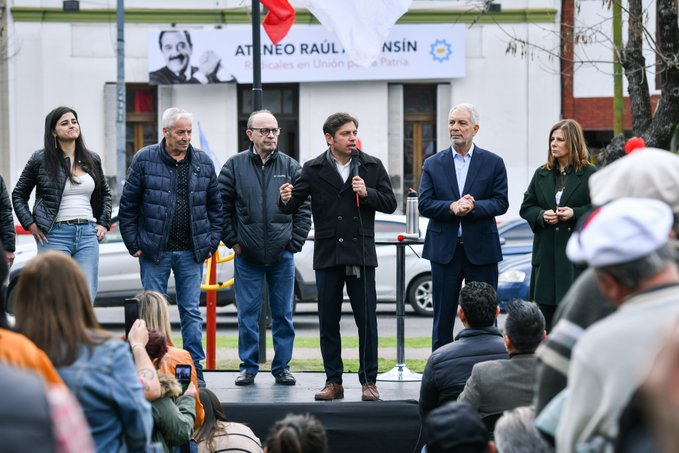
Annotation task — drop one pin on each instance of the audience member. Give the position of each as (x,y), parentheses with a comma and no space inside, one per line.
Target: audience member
(16,349)
(498,385)
(36,418)
(449,367)
(219,434)
(654,174)
(54,310)
(297,434)
(515,432)
(455,427)
(173,415)
(627,243)
(154,310)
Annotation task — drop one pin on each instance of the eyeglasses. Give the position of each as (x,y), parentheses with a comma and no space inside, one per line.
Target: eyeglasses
(267,130)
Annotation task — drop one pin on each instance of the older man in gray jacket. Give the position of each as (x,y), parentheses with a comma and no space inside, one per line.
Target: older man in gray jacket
(264,240)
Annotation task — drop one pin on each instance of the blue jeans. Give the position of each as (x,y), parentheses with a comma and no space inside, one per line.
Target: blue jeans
(249,282)
(80,243)
(188,275)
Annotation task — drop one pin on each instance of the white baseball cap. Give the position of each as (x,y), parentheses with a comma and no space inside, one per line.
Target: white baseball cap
(621,231)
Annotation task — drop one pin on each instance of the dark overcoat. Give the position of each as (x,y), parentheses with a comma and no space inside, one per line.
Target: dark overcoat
(553,273)
(344,234)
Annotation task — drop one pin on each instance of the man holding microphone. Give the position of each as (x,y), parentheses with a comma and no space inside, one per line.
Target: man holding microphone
(343,207)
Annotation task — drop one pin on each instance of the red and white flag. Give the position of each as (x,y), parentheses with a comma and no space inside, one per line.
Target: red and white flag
(360,25)
(279,19)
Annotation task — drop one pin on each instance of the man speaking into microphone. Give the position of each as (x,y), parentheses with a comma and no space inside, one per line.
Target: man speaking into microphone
(346,187)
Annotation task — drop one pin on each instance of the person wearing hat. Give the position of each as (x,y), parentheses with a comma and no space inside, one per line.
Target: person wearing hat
(456,427)
(646,173)
(627,243)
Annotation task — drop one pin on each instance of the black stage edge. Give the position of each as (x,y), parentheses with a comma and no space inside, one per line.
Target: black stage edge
(352,425)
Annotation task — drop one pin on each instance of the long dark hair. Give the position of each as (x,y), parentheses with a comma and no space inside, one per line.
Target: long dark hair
(213,414)
(4,271)
(297,434)
(54,158)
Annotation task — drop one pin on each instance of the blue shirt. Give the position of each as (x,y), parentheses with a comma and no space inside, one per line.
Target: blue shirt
(461,170)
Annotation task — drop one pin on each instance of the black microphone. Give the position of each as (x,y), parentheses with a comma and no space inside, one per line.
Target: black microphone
(354,169)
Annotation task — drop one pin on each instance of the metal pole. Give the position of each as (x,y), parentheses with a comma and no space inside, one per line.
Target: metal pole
(211,318)
(618,106)
(256,59)
(400,372)
(120,102)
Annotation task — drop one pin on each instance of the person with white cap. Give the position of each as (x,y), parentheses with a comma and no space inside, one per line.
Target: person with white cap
(627,242)
(648,173)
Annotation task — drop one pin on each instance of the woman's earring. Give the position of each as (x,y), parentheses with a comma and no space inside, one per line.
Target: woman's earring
(56,145)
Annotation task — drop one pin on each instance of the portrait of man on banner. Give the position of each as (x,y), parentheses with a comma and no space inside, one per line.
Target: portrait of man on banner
(180,63)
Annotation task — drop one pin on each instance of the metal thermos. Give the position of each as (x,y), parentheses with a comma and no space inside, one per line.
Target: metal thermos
(412,214)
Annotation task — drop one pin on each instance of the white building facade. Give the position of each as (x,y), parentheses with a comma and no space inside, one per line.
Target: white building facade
(69,58)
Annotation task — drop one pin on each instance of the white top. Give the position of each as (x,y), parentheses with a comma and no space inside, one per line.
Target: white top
(75,202)
(343,169)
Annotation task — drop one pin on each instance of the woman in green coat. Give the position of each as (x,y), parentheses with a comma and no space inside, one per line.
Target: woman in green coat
(557,197)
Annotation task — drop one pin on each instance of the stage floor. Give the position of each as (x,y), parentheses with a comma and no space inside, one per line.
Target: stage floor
(352,426)
(266,390)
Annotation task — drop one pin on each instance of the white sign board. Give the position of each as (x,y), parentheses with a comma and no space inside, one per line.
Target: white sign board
(307,54)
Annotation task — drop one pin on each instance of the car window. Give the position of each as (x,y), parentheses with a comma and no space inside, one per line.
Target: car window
(519,232)
(387,231)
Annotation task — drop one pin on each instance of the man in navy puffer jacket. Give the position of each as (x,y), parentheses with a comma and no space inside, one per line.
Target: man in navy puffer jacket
(171,219)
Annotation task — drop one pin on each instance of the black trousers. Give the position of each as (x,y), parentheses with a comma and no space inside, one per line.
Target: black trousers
(446,284)
(361,290)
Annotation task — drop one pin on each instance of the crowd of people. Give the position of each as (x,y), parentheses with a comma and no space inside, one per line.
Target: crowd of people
(588,363)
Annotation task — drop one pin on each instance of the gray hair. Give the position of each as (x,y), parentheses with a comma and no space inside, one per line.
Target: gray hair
(174,114)
(632,273)
(515,432)
(469,108)
(257,112)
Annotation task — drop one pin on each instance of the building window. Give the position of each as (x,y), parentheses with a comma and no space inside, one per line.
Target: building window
(419,131)
(142,119)
(283,101)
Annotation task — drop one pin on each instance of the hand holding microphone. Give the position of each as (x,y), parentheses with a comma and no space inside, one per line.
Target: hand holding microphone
(357,183)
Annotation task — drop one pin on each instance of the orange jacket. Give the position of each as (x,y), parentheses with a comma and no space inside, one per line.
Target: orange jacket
(18,350)
(175,356)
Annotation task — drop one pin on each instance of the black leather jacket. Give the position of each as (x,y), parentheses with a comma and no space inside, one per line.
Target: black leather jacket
(7,233)
(49,192)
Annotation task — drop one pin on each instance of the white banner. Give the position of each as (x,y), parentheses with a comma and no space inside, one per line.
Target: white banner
(307,54)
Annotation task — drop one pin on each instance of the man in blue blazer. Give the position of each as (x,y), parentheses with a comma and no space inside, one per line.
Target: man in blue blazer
(462,189)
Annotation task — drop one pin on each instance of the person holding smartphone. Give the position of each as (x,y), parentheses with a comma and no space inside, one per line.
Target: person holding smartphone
(154,311)
(174,413)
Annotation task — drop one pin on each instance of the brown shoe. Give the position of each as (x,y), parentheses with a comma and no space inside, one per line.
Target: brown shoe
(331,391)
(370,392)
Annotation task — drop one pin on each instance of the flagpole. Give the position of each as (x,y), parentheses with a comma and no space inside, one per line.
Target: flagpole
(256,59)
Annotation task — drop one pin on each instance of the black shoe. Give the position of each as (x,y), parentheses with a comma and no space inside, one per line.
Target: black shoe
(245,378)
(285,377)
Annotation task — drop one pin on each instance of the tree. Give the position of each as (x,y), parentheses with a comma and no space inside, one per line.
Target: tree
(656,127)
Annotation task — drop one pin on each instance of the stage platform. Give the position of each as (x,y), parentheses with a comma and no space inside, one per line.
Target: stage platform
(389,425)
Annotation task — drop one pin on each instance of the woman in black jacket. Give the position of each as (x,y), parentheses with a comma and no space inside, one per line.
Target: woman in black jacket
(72,209)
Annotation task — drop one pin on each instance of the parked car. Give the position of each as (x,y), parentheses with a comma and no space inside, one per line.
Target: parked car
(516,239)
(514,279)
(119,271)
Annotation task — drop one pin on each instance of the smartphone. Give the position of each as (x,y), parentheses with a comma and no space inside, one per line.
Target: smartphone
(131,313)
(183,374)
